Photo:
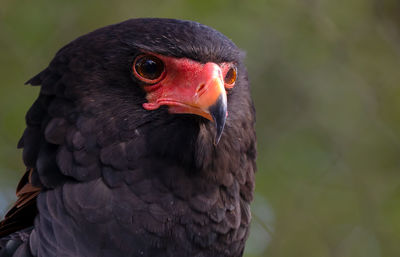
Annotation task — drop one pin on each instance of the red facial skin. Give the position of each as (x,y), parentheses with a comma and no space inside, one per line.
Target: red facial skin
(186,86)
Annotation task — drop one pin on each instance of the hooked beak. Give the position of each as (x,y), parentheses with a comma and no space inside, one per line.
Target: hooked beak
(218,112)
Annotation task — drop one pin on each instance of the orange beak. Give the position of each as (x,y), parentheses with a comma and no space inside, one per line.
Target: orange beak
(192,88)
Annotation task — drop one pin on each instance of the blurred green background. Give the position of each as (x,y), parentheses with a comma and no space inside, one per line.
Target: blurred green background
(325,79)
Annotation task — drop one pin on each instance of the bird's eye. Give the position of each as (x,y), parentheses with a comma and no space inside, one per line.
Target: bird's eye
(148,68)
(231,76)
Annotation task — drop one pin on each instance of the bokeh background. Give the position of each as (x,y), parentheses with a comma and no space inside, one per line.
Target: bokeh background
(326,83)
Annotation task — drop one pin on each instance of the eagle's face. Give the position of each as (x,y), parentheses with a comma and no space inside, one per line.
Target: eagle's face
(186,86)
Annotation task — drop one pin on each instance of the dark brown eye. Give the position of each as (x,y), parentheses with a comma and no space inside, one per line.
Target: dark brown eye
(230,76)
(148,68)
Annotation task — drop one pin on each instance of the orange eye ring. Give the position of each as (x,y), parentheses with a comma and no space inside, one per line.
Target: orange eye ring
(148,69)
(231,77)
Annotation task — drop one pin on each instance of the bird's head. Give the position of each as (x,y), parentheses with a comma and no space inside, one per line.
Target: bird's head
(184,66)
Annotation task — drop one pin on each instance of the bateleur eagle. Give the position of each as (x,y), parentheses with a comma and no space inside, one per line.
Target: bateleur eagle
(140,143)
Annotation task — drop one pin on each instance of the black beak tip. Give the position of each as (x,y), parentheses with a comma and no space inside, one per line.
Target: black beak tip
(218,112)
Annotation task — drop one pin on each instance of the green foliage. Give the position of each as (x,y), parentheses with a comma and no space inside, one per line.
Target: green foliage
(325,79)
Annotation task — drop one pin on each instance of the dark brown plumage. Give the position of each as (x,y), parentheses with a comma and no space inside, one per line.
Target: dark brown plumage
(114,173)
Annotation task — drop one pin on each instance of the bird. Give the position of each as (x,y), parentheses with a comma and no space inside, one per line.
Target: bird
(141,142)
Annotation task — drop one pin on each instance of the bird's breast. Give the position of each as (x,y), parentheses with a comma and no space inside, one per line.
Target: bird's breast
(146,211)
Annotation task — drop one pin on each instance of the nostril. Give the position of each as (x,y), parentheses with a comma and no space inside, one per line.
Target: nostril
(200,89)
